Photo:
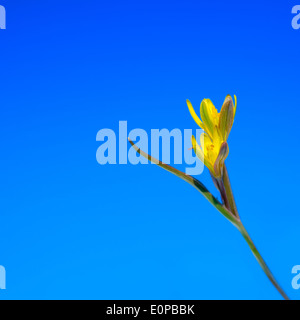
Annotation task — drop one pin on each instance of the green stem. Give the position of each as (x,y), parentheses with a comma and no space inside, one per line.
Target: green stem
(261,261)
(229,192)
(223,193)
(241,228)
(232,214)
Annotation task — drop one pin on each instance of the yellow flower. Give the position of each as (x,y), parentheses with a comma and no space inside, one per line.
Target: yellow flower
(211,118)
(212,154)
(213,149)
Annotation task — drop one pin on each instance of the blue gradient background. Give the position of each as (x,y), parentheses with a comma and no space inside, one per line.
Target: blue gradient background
(72,229)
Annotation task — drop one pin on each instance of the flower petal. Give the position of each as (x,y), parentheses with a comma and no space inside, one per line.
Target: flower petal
(217,138)
(209,115)
(194,115)
(226,117)
(223,154)
(200,153)
(235,103)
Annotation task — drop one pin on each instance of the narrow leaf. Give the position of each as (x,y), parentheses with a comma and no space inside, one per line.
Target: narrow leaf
(192,181)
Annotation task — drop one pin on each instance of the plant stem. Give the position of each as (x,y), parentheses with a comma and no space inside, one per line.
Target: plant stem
(229,192)
(223,193)
(241,228)
(260,260)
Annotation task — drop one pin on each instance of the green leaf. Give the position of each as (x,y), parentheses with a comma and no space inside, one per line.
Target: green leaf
(192,181)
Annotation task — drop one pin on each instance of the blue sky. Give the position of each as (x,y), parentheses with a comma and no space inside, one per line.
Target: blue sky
(73,229)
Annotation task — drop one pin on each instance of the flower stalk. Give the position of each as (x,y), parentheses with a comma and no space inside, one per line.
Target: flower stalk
(228,191)
(260,260)
(213,151)
(243,231)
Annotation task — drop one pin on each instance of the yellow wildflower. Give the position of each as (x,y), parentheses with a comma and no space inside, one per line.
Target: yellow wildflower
(213,149)
(211,118)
